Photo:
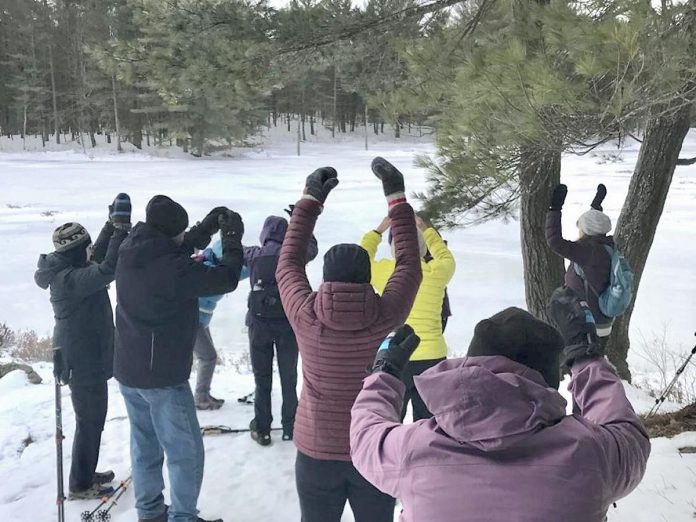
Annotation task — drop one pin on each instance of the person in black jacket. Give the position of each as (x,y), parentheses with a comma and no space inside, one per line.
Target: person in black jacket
(84,332)
(158,285)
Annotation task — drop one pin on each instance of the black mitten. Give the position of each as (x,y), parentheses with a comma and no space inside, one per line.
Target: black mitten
(392,179)
(320,182)
(61,372)
(574,320)
(558,197)
(231,232)
(210,224)
(599,197)
(395,351)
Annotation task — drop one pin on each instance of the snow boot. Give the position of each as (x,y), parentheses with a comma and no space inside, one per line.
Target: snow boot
(104,477)
(96,491)
(206,402)
(219,401)
(263,439)
(287,433)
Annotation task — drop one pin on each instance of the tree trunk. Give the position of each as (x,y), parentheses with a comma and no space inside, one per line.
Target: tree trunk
(311,124)
(335,90)
(642,209)
(397,129)
(539,172)
(24,129)
(56,125)
(366,126)
(116,121)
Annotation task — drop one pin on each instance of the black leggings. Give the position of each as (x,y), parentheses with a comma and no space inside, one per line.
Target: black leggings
(324,486)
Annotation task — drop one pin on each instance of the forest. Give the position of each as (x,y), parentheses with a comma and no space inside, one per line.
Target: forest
(507,87)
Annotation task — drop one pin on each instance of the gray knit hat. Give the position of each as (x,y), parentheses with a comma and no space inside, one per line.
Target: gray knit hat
(70,236)
(594,223)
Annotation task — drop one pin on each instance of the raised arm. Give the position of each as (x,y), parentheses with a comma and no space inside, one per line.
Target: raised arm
(554,231)
(442,265)
(402,287)
(292,279)
(87,280)
(119,217)
(199,280)
(600,396)
(378,440)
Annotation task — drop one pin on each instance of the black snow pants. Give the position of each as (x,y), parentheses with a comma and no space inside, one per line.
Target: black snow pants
(324,486)
(264,334)
(90,402)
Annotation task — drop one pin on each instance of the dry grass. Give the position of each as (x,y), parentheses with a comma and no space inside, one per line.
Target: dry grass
(25,345)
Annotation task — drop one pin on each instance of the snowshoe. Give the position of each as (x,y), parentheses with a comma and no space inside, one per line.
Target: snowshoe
(247,399)
(95,492)
(104,477)
(263,439)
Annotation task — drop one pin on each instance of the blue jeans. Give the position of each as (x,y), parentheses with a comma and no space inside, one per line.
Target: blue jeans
(163,422)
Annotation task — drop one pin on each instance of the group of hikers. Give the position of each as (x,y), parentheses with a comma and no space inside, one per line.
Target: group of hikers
(490,438)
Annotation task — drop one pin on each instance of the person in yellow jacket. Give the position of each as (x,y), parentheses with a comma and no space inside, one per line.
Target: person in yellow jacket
(426,314)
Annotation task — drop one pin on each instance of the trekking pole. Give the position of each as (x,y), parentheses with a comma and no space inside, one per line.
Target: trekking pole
(88,516)
(668,389)
(104,515)
(60,498)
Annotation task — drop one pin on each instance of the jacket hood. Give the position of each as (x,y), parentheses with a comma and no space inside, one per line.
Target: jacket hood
(491,403)
(144,244)
(346,306)
(48,266)
(274,229)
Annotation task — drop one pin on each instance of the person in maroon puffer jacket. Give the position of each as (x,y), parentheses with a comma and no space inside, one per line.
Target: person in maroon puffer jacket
(339,329)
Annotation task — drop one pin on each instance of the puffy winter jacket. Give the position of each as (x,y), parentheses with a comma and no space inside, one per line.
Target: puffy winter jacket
(593,258)
(500,446)
(339,329)
(426,314)
(206,305)
(84,328)
(158,287)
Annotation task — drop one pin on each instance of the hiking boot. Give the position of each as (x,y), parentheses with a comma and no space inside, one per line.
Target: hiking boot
(219,401)
(206,402)
(103,477)
(287,434)
(160,518)
(95,492)
(263,439)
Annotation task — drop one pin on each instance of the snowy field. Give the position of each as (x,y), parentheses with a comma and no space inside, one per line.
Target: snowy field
(244,482)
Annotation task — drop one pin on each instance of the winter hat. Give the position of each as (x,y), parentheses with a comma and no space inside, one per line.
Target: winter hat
(347,263)
(69,236)
(422,246)
(518,335)
(594,223)
(166,215)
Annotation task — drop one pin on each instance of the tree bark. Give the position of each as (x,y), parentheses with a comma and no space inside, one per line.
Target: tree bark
(56,125)
(647,192)
(335,89)
(539,172)
(116,120)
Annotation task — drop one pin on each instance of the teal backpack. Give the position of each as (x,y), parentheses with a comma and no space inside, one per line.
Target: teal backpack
(613,301)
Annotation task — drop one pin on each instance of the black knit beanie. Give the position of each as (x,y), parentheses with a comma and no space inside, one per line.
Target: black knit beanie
(518,335)
(347,263)
(166,215)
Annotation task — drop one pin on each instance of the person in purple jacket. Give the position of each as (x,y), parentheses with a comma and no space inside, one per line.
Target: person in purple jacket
(269,327)
(500,446)
(589,271)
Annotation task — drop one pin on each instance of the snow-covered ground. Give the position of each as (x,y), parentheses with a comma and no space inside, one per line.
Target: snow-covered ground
(242,481)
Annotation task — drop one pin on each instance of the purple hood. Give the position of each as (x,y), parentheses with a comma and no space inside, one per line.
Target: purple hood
(490,403)
(274,229)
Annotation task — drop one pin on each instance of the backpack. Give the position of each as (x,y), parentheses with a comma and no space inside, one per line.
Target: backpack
(613,301)
(264,299)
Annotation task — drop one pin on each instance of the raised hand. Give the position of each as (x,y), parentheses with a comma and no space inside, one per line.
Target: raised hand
(395,351)
(392,179)
(320,182)
(120,212)
(558,197)
(599,197)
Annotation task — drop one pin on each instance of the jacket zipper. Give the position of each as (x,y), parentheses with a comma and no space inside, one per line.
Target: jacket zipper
(152,352)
